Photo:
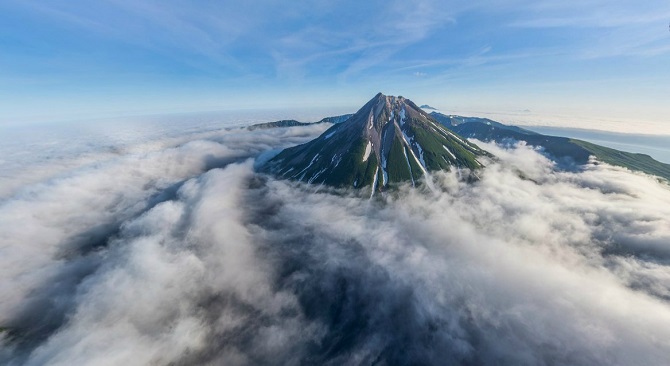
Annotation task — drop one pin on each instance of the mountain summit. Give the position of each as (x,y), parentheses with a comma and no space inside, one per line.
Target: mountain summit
(389,140)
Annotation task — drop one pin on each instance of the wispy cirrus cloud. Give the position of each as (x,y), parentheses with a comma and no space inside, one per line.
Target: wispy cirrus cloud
(120,49)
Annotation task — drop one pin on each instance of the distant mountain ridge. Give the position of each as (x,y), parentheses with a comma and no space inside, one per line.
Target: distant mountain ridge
(454,120)
(560,149)
(293,123)
(389,140)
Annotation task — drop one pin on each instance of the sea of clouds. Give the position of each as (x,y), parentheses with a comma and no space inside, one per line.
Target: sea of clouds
(176,251)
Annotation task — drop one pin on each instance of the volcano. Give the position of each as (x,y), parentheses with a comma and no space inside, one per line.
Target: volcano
(388,141)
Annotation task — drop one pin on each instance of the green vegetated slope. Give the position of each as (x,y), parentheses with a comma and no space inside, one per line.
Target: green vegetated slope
(562,148)
(634,161)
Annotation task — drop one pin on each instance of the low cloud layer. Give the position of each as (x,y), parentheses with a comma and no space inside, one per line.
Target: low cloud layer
(184,255)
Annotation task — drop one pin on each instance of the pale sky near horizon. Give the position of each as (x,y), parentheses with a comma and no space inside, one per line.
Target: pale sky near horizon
(591,64)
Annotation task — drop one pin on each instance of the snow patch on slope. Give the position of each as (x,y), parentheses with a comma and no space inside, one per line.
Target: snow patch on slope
(304,171)
(336,160)
(457,138)
(407,141)
(423,162)
(316,175)
(368,149)
(374,183)
(409,166)
(449,151)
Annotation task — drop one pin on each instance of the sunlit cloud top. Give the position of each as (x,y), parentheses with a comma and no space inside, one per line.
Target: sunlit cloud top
(594,59)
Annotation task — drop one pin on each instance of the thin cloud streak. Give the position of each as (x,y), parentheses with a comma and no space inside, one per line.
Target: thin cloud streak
(118,55)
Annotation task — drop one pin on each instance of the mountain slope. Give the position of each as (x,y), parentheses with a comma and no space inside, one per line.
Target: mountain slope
(389,140)
(453,120)
(294,123)
(563,149)
(336,119)
(633,161)
(277,124)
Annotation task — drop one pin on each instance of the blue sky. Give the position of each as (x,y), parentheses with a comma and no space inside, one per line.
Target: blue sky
(66,59)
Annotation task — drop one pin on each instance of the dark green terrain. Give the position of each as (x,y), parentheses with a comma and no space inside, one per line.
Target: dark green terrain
(560,149)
